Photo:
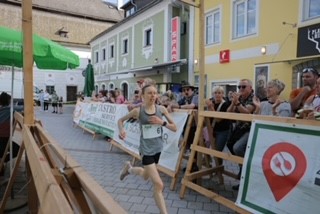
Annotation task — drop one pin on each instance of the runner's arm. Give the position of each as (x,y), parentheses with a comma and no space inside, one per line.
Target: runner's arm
(132,114)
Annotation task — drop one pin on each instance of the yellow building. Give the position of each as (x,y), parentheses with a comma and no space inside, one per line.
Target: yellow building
(259,40)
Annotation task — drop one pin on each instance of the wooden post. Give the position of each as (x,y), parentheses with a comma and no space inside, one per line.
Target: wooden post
(27,61)
(201,56)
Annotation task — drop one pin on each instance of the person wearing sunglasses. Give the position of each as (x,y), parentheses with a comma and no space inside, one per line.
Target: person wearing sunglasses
(242,102)
(299,96)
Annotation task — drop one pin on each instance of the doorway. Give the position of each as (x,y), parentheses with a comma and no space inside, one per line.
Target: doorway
(125,90)
(72,93)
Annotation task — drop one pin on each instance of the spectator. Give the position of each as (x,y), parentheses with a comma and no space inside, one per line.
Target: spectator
(41,99)
(120,99)
(298,96)
(242,102)
(60,105)
(46,97)
(136,100)
(5,127)
(189,101)
(315,102)
(111,97)
(54,100)
(274,106)
(221,127)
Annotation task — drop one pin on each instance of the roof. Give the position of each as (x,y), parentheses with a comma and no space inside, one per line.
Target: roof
(141,10)
(94,9)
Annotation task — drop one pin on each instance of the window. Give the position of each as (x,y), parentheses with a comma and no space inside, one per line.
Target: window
(103,54)
(130,11)
(50,89)
(213,27)
(125,46)
(244,18)
(97,57)
(148,37)
(111,86)
(111,54)
(311,9)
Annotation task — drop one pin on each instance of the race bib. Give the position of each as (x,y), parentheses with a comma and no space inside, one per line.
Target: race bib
(151,131)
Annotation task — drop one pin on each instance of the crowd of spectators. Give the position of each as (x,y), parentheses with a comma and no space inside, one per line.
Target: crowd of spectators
(303,103)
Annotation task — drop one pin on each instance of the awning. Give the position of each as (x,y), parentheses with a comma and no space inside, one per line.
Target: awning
(161,65)
(144,68)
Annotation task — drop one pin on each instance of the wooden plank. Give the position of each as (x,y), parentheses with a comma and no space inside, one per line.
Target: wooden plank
(203,172)
(223,155)
(182,147)
(27,61)
(192,155)
(101,200)
(33,202)
(11,180)
(253,117)
(49,193)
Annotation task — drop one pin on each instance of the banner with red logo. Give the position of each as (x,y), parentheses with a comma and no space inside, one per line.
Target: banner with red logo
(281,170)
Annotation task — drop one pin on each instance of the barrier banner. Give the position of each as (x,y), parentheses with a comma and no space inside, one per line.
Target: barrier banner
(99,117)
(281,170)
(103,117)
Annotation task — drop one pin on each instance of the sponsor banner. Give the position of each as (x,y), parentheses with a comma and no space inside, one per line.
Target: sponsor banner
(103,117)
(281,170)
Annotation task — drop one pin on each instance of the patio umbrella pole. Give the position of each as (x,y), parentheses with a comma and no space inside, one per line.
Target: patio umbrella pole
(27,61)
(11,119)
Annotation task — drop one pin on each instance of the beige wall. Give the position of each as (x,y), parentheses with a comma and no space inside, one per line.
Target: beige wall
(45,24)
(280,40)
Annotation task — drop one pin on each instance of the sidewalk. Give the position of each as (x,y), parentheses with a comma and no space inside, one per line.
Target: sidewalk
(133,193)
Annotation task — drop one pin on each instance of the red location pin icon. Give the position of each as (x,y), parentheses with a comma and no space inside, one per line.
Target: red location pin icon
(283,165)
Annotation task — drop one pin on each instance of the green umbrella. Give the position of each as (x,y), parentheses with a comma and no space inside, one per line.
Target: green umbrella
(46,53)
(88,81)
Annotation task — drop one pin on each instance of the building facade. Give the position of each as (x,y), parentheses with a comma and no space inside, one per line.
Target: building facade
(72,23)
(259,40)
(154,40)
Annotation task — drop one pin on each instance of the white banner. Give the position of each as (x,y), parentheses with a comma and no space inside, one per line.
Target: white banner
(103,117)
(281,170)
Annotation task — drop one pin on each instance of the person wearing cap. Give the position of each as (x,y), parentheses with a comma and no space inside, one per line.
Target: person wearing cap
(188,101)
(299,96)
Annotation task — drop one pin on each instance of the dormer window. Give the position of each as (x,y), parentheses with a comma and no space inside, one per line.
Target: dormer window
(130,8)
